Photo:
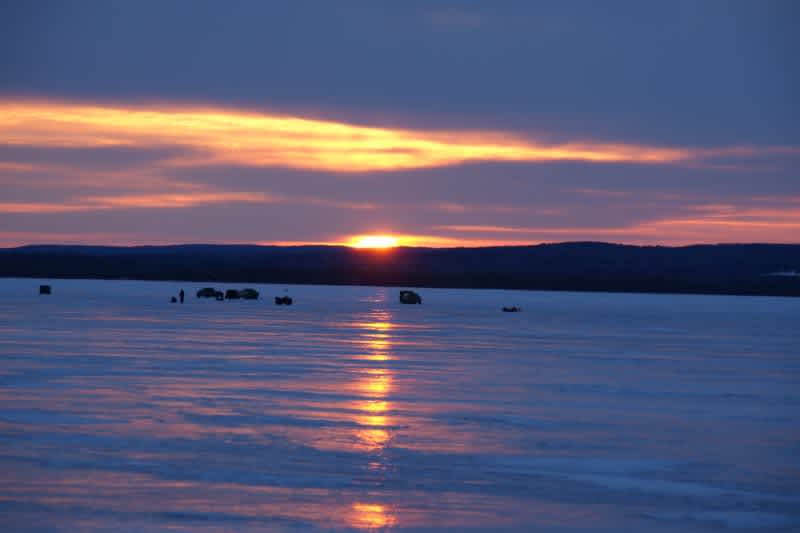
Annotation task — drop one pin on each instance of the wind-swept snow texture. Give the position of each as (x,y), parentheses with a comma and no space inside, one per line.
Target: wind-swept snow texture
(349,411)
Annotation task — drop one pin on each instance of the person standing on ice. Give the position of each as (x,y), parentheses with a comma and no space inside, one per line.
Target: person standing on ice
(180,295)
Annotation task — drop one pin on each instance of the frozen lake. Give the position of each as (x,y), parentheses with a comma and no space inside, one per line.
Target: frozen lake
(349,411)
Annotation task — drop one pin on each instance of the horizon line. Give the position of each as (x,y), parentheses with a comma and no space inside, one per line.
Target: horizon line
(385,250)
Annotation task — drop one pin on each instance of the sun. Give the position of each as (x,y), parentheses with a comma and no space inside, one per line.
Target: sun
(373,241)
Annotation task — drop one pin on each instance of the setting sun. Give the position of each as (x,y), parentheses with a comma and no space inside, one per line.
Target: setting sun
(373,241)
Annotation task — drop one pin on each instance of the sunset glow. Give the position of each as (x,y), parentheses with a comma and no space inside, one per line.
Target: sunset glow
(79,160)
(373,241)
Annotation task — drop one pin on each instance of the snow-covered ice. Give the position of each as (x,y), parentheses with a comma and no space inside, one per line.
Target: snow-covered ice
(349,411)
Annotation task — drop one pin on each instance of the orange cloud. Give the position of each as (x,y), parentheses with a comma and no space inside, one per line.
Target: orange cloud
(457,208)
(225,136)
(164,200)
(64,176)
(21,238)
(40,207)
(709,224)
(141,201)
(602,193)
(169,200)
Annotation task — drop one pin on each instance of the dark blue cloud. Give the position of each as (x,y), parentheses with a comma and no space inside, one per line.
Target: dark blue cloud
(699,73)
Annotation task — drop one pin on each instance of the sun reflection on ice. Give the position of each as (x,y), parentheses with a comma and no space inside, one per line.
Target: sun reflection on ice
(376,336)
(371,516)
(373,410)
(374,387)
(375,383)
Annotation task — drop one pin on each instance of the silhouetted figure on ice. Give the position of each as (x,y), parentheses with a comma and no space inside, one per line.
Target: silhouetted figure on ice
(181,295)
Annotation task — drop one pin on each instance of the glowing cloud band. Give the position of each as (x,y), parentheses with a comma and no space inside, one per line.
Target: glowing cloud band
(225,136)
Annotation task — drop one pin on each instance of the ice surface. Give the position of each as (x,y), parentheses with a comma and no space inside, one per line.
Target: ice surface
(349,411)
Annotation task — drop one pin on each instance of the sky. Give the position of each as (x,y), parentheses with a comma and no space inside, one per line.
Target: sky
(437,123)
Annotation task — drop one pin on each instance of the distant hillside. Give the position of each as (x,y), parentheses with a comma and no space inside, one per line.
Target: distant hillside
(580,266)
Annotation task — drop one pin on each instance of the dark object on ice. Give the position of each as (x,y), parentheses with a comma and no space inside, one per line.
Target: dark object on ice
(512,309)
(249,294)
(208,292)
(283,300)
(410,297)
(173,300)
(219,296)
(45,289)
(181,295)
(231,294)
